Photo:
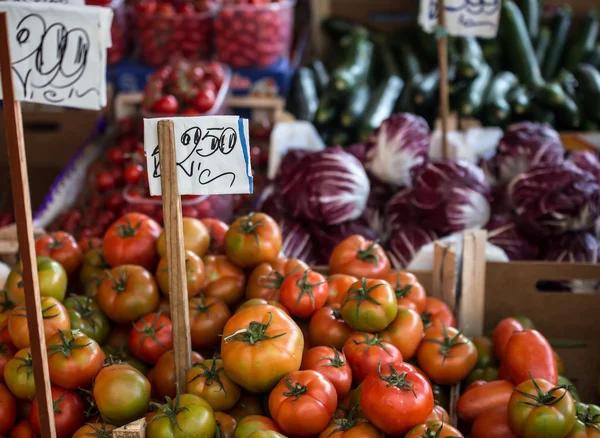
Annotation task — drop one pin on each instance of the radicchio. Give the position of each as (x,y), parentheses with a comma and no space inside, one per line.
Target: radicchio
(587,161)
(504,233)
(552,200)
(329,187)
(524,145)
(571,247)
(405,242)
(296,240)
(399,149)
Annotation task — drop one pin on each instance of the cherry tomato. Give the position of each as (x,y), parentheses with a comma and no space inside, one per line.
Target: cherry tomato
(133,173)
(167,105)
(204,100)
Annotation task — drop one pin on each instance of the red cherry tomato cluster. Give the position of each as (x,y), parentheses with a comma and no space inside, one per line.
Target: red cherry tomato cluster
(164,29)
(253,33)
(185,87)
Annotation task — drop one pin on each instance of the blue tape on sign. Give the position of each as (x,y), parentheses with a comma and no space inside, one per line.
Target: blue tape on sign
(246,152)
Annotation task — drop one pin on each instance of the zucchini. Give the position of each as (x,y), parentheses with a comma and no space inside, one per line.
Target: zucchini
(404,104)
(470,58)
(585,44)
(357,104)
(542,44)
(337,27)
(427,47)
(560,29)
(381,105)
(492,53)
(567,81)
(519,100)
(588,79)
(590,125)
(517,42)
(409,62)
(304,98)
(355,68)
(386,62)
(550,94)
(593,57)
(328,108)
(531,13)
(426,89)
(341,137)
(568,114)
(541,114)
(471,99)
(320,74)
(497,108)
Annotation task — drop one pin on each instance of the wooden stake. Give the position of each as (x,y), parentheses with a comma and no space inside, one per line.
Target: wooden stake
(175,252)
(471,306)
(20,188)
(443,63)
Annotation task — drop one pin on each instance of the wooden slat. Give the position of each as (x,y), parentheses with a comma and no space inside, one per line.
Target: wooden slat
(20,188)
(472,298)
(175,251)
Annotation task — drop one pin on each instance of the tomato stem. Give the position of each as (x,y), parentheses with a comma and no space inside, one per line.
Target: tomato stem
(362,294)
(371,341)
(127,230)
(248,226)
(306,288)
(211,375)
(397,380)
(589,419)
(170,410)
(67,345)
(347,423)
(337,361)
(543,398)
(200,307)
(402,291)
(149,331)
(254,333)
(118,284)
(426,318)
(368,254)
(295,389)
(448,343)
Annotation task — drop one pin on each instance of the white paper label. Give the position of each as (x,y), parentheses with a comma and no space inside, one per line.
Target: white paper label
(59,54)
(292,135)
(60,2)
(213,155)
(477,18)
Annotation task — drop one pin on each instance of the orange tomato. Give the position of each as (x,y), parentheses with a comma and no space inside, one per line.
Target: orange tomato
(359,257)
(55,318)
(409,292)
(195,237)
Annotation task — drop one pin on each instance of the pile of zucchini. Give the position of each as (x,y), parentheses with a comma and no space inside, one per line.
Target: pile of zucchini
(531,71)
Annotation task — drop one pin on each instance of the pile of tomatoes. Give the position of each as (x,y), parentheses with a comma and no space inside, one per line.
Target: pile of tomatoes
(280,349)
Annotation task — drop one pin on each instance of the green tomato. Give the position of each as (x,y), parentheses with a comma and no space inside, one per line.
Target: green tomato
(186,416)
(485,352)
(526,321)
(488,374)
(562,381)
(52,279)
(87,317)
(587,423)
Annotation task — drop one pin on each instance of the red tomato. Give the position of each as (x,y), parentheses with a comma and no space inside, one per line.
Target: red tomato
(303,395)
(247,406)
(436,428)
(217,230)
(338,286)
(328,328)
(395,398)
(359,257)
(503,332)
(204,100)
(332,364)
(54,314)
(166,105)
(482,398)
(208,317)
(492,423)
(365,352)
(253,239)
(194,270)
(133,173)
(224,280)
(164,384)
(22,430)
(132,240)
(8,410)
(195,237)
(68,413)
(225,424)
(89,243)
(446,355)
(369,305)
(104,181)
(405,332)
(408,290)
(151,337)
(303,293)
(62,247)
(529,354)
(439,413)
(437,314)
(94,429)
(266,279)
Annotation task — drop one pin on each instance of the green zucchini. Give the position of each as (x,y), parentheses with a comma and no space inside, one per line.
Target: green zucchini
(519,100)
(404,104)
(593,57)
(329,107)
(409,62)
(517,42)
(427,47)
(541,114)
(471,99)
(355,68)
(496,107)
(550,94)
(588,79)
(320,74)
(492,52)
(531,13)
(357,104)
(386,62)
(303,96)
(567,81)
(426,90)
(585,44)
(560,29)
(542,44)
(337,27)
(568,114)
(381,105)
(341,137)
(470,58)
(590,125)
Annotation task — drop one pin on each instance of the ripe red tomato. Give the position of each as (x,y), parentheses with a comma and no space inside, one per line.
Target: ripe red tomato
(208,317)
(209,381)
(266,279)
(301,395)
(164,384)
(529,354)
(259,302)
(304,292)
(104,181)
(405,332)
(94,429)
(8,410)
(365,351)
(247,406)
(217,230)
(195,237)
(359,257)
(267,341)
(225,424)
(7,351)
(396,397)
(127,293)
(439,413)
(437,314)
(194,270)
(409,292)
(492,423)
(503,332)
(351,427)
(62,247)
(73,359)
(224,280)
(482,398)
(436,428)
(332,364)
(369,305)
(338,286)
(133,173)
(204,100)
(151,337)
(253,239)
(88,243)
(446,355)
(132,240)
(55,317)
(328,328)
(166,105)
(69,413)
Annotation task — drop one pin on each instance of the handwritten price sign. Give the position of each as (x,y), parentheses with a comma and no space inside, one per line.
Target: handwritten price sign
(213,155)
(59,53)
(62,2)
(477,18)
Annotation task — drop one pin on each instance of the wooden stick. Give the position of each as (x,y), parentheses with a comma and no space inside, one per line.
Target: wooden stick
(472,297)
(443,63)
(20,189)
(175,252)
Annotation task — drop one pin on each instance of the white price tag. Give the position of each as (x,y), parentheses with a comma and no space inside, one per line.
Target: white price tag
(477,18)
(213,155)
(56,2)
(59,54)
